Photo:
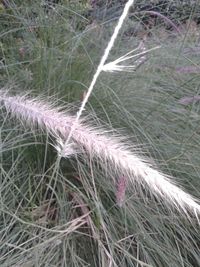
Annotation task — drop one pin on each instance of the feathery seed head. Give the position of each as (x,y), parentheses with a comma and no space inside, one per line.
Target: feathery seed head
(106,148)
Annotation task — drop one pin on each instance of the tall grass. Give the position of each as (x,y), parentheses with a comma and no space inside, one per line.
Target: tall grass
(77,213)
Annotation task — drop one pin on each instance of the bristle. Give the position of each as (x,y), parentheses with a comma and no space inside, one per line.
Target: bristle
(114,65)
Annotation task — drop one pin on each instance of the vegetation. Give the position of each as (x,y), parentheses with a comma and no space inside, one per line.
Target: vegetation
(70,211)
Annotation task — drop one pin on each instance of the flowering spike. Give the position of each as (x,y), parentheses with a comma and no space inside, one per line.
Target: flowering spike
(110,151)
(121,190)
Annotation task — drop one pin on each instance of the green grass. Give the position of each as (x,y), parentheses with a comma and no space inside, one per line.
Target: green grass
(67,215)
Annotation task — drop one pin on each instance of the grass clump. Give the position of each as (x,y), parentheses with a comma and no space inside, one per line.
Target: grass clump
(79,211)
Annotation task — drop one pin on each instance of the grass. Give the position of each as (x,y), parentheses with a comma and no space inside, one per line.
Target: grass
(67,215)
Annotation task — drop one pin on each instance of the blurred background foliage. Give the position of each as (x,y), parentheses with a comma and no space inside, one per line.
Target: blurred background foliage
(176,10)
